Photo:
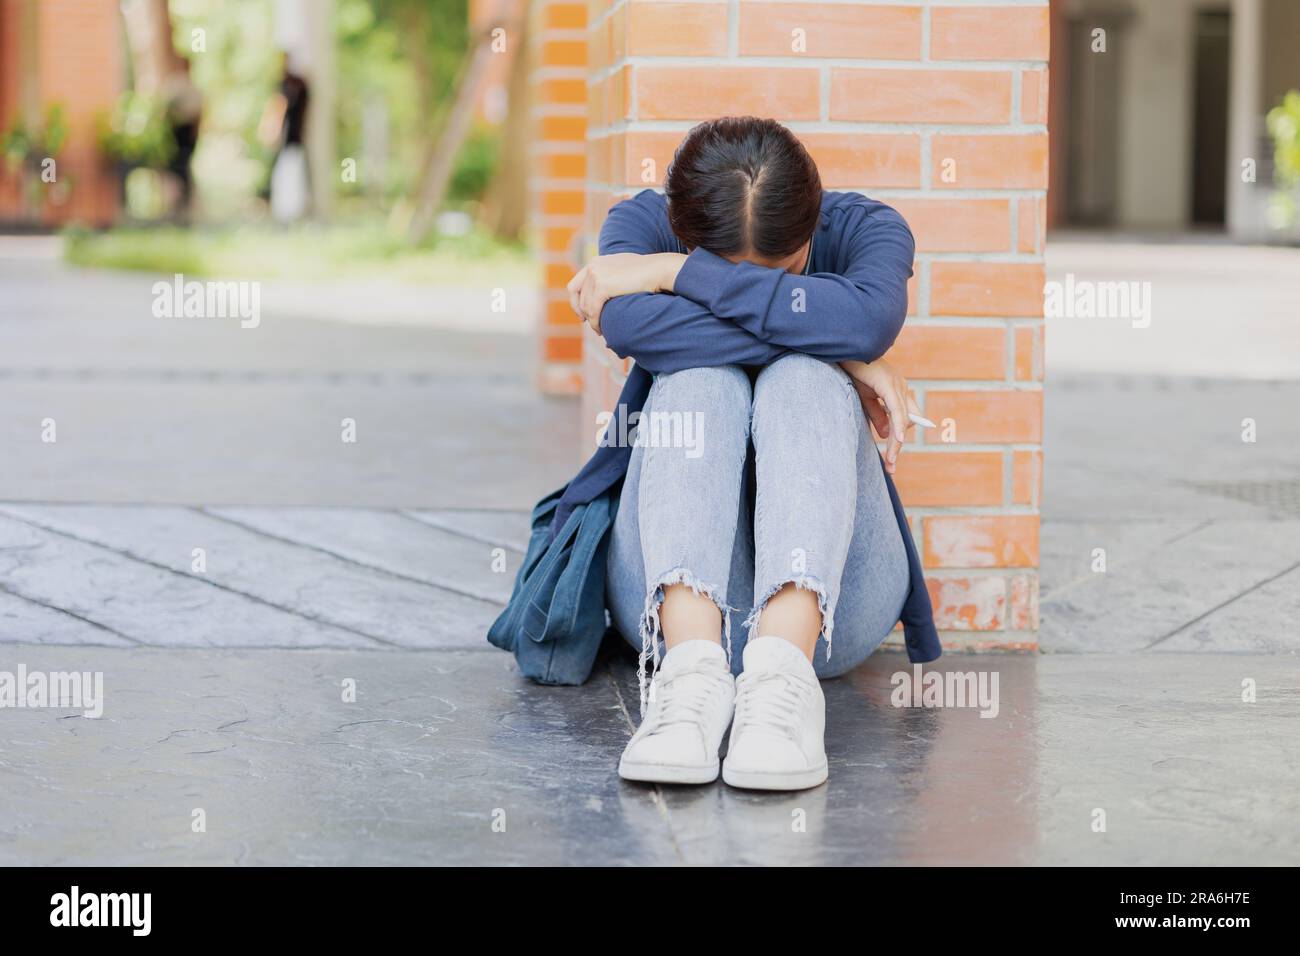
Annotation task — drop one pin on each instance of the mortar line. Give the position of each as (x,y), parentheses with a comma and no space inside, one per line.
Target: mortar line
(7,589)
(271,536)
(1092,576)
(315,619)
(1221,606)
(410,515)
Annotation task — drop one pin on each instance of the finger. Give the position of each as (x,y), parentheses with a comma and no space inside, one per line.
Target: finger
(873,407)
(589,318)
(575,288)
(578,279)
(597,308)
(912,407)
(592,303)
(879,417)
(898,428)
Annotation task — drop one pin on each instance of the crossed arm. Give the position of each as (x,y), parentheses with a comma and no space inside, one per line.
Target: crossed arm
(670,311)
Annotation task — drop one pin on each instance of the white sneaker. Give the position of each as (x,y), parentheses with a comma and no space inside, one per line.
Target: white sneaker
(778,736)
(691,698)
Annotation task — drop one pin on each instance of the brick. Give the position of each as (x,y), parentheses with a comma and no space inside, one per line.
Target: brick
(934,479)
(968,604)
(697,92)
(558,239)
(563,202)
(958,225)
(1026,478)
(617,158)
(830,29)
(556,275)
(676,29)
(562,165)
(1030,225)
(987,288)
(596,108)
(868,160)
(560,313)
(599,202)
(1017,161)
(991,415)
(950,352)
(598,159)
(564,53)
(560,128)
(597,48)
(1029,353)
(989,33)
(558,349)
(571,92)
(1033,96)
(1023,605)
(564,16)
(616,35)
(618,103)
(920,96)
(981,541)
(649,152)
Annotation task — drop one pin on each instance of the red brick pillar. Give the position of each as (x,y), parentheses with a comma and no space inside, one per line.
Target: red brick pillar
(559,168)
(67,52)
(945,118)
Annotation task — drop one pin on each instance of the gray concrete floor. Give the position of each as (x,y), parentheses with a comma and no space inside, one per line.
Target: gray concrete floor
(440,745)
(376,562)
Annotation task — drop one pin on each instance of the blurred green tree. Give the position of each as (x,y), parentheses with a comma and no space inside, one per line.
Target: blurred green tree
(1284,126)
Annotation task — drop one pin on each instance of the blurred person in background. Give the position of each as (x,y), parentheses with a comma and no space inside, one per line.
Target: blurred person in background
(184,112)
(281,128)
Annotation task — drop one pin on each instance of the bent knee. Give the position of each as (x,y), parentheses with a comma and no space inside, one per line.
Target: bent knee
(800,387)
(799,371)
(700,389)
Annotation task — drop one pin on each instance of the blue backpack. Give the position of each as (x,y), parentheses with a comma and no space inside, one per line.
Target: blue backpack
(555,620)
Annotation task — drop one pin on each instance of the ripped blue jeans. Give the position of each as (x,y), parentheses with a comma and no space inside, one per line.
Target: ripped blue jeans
(809,506)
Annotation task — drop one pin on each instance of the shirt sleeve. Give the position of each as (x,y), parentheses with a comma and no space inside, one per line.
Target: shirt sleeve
(855,313)
(664,332)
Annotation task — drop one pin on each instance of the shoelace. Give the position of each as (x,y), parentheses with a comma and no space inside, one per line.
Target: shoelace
(771,700)
(681,700)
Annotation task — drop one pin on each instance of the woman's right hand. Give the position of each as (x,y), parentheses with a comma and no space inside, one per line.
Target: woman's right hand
(621,273)
(887,402)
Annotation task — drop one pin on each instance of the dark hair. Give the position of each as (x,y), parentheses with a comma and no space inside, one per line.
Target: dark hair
(739,185)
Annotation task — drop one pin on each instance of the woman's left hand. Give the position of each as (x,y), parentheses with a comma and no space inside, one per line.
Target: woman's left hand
(622,273)
(887,402)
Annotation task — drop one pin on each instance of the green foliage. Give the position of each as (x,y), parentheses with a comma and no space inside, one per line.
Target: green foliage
(1284,127)
(475,165)
(137,132)
(398,60)
(359,250)
(22,144)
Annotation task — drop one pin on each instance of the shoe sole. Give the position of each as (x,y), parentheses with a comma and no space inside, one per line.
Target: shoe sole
(667,773)
(768,780)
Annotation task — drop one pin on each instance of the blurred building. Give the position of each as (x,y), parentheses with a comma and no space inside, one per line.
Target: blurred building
(73,54)
(1156,106)
(70,53)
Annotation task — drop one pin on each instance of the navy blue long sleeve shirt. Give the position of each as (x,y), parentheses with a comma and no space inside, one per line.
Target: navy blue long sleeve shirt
(854,298)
